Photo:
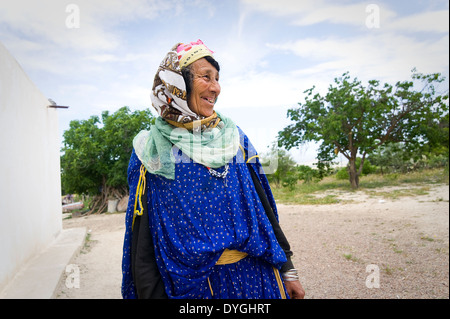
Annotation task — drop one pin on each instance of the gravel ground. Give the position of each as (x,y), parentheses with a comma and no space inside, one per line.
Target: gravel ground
(369,247)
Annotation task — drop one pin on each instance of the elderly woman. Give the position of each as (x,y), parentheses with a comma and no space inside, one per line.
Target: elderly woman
(201,220)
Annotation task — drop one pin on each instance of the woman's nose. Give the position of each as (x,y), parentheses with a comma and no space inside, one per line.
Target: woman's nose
(215,87)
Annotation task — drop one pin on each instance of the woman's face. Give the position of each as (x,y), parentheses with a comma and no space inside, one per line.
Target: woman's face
(205,88)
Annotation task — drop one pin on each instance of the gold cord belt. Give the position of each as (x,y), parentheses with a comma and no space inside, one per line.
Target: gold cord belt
(230,257)
(233,256)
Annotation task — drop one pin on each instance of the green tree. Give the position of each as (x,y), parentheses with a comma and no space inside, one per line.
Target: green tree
(285,173)
(96,152)
(437,135)
(353,119)
(308,174)
(342,173)
(390,157)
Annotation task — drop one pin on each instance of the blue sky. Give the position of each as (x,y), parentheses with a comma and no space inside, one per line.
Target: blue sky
(97,55)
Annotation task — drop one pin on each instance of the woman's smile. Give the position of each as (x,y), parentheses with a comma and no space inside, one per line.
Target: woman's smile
(209,100)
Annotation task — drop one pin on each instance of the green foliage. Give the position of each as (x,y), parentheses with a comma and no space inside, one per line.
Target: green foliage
(82,157)
(288,173)
(285,173)
(96,152)
(307,174)
(290,179)
(342,173)
(368,168)
(354,119)
(390,157)
(329,189)
(395,157)
(119,130)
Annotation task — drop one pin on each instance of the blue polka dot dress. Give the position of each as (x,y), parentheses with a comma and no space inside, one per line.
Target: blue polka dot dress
(195,217)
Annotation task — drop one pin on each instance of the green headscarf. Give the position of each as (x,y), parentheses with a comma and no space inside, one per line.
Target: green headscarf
(213,147)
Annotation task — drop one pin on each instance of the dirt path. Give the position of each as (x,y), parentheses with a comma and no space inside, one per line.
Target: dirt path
(341,251)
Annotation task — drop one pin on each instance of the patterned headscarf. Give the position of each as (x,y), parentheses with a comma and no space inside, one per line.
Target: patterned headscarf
(169,96)
(218,142)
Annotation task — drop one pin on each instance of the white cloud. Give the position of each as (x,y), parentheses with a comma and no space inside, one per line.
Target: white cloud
(384,55)
(253,90)
(50,21)
(129,57)
(283,7)
(45,22)
(432,21)
(352,14)
(309,12)
(387,53)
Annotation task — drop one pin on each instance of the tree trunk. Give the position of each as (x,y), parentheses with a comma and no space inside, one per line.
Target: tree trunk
(353,173)
(100,202)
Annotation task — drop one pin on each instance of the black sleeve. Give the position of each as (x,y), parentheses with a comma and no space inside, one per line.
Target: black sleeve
(146,276)
(282,240)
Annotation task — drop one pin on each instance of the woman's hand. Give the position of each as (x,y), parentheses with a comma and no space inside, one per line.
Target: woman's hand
(295,289)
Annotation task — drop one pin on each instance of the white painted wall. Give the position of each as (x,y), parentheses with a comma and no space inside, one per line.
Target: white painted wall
(30,184)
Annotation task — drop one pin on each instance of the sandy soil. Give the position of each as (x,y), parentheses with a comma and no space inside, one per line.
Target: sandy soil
(341,250)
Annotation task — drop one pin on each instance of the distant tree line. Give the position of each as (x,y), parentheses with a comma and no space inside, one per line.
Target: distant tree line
(388,159)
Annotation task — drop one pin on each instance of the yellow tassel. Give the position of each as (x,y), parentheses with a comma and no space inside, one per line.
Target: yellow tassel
(138,211)
(210,287)
(280,283)
(248,161)
(242,150)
